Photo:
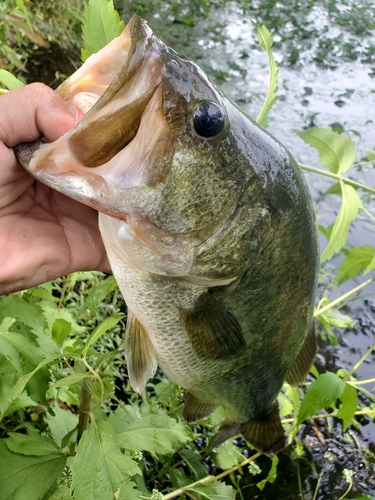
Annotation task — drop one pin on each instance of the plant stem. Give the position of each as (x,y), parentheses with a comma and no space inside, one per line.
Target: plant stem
(342,297)
(84,411)
(357,365)
(327,415)
(338,177)
(211,479)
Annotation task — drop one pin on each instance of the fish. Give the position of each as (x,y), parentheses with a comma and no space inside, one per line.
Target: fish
(208,224)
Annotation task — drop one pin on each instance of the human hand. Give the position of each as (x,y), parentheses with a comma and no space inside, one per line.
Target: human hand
(43,233)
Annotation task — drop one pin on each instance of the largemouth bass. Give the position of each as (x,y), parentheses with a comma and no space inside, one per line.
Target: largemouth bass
(208,225)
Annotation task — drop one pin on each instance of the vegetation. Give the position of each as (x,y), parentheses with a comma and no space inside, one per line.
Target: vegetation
(67,412)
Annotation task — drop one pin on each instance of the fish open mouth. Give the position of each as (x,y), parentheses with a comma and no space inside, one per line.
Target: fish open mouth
(109,95)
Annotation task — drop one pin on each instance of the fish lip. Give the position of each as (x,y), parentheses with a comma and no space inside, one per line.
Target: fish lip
(131,49)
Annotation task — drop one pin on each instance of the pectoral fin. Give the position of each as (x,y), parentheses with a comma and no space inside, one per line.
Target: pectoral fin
(301,366)
(213,330)
(265,433)
(139,354)
(195,410)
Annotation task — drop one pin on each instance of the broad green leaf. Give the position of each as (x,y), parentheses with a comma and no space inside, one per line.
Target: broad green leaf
(320,394)
(7,405)
(370,154)
(74,378)
(31,444)
(351,203)
(100,468)
(336,151)
(27,477)
(60,330)
(356,260)
(9,81)
(58,492)
(100,330)
(101,23)
(155,432)
(61,423)
(265,41)
(127,491)
(21,383)
(227,455)
(193,460)
(271,475)
(285,405)
(348,407)
(212,491)
(371,266)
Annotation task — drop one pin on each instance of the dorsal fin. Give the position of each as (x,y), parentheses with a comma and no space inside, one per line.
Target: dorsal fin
(302,364)
(195,410)
(213,330)
(139,354)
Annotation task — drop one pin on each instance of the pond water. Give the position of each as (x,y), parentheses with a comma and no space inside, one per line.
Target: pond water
(326,53)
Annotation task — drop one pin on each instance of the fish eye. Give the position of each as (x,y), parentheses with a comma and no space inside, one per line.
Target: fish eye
(208,119)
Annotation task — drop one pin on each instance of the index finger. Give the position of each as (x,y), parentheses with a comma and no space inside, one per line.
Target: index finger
(32,111)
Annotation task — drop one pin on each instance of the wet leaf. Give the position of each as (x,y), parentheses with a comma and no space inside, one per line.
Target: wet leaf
(9,81)
(20,475)
(351,203)
(100,468)
(320,394)
(356,260)
(101,23)
(271,475)
(336,151)
(213,491)
(32,444)
(348,407)
(266,42)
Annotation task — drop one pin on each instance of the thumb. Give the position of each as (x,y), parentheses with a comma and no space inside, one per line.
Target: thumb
(30,112)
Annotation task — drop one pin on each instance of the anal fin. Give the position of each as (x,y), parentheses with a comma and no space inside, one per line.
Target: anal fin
(213,330)
(265,433)
(302,364)
(195,410)
(139,354)
(228,429)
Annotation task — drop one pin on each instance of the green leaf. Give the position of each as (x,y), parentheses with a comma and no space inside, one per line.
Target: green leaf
(213,491)
(371,266)
(320,394)
(74,378)
(266,42)
(60,330)
(100,330)
(58,492)
(61,423)
(100,468)
(336,151)
(271,475)
(21,383)
(33,444)
(154,431)
(351,203)
(193,460)
(349,402)
(101,23)
(127,491)
(355,261)
(227,455)
(9,81)
(27,477)
(370,154)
